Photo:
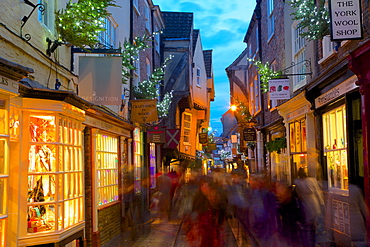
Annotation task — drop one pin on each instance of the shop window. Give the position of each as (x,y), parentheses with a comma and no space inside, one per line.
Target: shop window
(335,148)
(187,128)
(4,168)
(107,168)
(14,122)
(298,145)
(137,160)
(152,162)
(55,174)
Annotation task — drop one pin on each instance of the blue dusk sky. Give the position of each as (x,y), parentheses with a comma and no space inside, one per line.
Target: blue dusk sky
(222,25)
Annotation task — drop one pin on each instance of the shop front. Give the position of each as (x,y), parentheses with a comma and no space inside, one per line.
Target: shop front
(300,138)
(10,74)
(359,63)
(49,208)
(107,141)
(338,111)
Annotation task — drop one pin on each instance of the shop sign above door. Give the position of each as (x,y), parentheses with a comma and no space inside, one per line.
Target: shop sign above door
(345,19)
(144,110)
(156,135)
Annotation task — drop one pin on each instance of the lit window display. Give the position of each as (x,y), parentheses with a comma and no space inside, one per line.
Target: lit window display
(335,147)
(55,174)
(2,232)
(153,169)
(298,145)
(137,160)
(4,168)
(107,168)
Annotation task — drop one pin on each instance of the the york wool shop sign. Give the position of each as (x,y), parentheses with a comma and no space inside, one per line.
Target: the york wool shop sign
(345,19)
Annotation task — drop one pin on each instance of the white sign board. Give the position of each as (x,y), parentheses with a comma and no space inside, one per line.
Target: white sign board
(336,92)
(345,19)
(279,89)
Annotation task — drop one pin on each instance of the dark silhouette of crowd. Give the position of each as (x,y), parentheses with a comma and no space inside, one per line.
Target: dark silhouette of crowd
(275,214)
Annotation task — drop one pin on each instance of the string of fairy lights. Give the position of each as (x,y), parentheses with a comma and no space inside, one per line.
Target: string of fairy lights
(313,19)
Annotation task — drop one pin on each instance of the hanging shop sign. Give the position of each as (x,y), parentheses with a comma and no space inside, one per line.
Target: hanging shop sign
(211,146)
(345,19)
(156,135)
(144,110)
(203,138)
(249,135)
(279,89)
(172,137)
(100,80)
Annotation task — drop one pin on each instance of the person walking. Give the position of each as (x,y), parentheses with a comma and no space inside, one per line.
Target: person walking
(310,194)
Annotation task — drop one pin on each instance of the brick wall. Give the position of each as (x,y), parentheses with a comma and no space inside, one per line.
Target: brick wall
(88,186)
(109,222)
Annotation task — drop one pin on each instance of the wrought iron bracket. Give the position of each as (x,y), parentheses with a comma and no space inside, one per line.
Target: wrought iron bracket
(41,7)
(306,63)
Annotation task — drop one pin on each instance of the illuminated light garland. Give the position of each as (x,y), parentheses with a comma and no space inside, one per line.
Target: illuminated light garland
(266,73)
(312,19)
(79,22)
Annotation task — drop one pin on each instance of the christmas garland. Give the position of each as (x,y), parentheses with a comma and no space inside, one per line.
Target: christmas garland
(266,73)
(79,23)
(276,145)
(312,19)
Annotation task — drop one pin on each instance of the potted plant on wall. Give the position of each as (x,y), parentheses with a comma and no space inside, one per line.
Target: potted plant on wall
(276,145)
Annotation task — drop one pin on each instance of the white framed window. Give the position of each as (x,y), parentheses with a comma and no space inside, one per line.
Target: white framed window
(137,160)
(335,148)
(136,64)
(157,42)
(147,18)
(136,6)
(4,169)
(257,93)
(148,68)
(106,168)
(48,17)
(55,173)
(108,37)
(299,57)
(198,77)
(257,39)
(270,18)
(272,102)
(187,117)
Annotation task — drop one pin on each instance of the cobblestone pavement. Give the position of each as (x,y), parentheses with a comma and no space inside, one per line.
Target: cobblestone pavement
(162,233)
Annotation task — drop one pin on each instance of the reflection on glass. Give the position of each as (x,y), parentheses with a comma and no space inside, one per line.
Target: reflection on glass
(335,147)
(3,196)
(2,232)
(41,218)
(107,168)
(3,169)
(55,173)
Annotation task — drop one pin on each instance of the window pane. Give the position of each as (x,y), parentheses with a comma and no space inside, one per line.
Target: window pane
(41,218)
(2,232)
(3,196)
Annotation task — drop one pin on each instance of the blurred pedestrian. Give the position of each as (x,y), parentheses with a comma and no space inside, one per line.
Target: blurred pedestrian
(205,224)
(291,214)
(310,194)
(262,212)
(164,201)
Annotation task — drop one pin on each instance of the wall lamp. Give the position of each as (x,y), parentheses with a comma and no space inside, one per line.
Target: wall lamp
(52,46)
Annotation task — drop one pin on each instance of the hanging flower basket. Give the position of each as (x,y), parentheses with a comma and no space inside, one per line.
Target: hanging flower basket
(276,145)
